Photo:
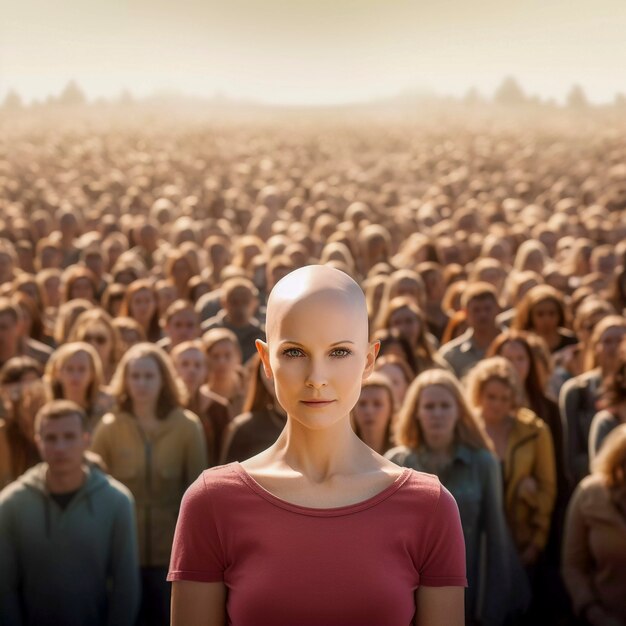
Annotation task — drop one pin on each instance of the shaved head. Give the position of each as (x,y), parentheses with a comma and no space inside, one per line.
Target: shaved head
(319,283)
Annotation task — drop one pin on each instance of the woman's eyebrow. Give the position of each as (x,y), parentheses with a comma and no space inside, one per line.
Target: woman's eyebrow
(336,343)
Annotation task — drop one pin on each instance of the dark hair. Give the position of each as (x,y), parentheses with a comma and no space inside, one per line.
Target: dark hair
(258,397)
(16,367)
(613,389)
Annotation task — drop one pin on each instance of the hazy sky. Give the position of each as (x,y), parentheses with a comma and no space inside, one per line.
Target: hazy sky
(312,51)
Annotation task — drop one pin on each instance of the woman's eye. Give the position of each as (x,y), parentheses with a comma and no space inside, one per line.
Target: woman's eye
(292,352)
(341,353)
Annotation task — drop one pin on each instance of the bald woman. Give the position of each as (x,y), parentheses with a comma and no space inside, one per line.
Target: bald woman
(318,529)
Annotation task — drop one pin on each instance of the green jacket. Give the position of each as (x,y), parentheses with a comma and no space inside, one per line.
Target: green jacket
(71,566)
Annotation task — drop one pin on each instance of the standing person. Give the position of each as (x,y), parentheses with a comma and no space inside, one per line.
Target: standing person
(340,534)
(594,546)
(260,423)
(157,449)
(480,303)
(579,396)
(372,416)
(191,364)
(524,446)
(68,546)
(438,433)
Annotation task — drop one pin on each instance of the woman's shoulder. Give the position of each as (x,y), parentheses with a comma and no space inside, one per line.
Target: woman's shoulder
(604,418)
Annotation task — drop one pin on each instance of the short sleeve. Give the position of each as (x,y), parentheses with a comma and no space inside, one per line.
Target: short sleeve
(444,553)
(197,553)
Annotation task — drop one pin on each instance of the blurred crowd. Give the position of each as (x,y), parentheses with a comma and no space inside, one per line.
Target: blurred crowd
(135,264)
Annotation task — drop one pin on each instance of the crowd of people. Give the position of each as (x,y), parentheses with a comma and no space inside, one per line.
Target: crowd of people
(135,266)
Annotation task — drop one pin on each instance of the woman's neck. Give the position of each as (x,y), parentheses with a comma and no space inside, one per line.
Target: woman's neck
(144,412)
(320,454)
(80,397)
(224,384)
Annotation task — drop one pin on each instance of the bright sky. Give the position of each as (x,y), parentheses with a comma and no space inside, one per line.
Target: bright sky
(312,51)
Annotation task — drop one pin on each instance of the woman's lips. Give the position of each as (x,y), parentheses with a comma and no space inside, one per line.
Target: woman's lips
(316,403)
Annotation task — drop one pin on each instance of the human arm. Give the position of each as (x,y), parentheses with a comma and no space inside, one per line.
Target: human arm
(10,606)
(124,566)
(544,475)
(440,606)
(198,604)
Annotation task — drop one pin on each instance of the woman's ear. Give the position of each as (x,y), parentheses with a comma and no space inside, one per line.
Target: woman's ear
(263,350)
(370,360)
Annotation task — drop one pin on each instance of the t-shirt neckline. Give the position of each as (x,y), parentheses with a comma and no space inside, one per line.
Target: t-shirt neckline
(322,512)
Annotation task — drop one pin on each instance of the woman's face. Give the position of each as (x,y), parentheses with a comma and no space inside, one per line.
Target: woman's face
(437,413)
(192,368)
(544,317)
(143,380)
(142,306)
(408,288)
(396,377)
(496,401)
(82,288)
(607,349)
(75,374)
(373,410)
(223,357)
(98,335)
(515,352)
(181,272)
(407,324)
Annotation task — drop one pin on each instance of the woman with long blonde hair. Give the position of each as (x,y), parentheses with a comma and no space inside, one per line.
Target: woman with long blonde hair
(438,433)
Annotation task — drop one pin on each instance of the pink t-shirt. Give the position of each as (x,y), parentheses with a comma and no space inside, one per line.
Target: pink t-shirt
(285,564)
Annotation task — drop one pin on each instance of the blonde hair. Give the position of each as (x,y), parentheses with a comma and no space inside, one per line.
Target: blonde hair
(60,357)
(494,368)
(610,321)
(172,394)
(468,429)
(611,460)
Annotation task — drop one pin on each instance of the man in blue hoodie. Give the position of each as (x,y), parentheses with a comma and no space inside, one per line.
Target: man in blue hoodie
(68,546)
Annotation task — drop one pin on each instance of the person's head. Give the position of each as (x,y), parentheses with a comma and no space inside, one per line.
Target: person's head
(165,291)
(140,303)
(611,460)
(10,328)
(587,314)
(603,348)
(393,343)
(398,373)
(95,327)
(178,270)
(403,314)
(145,377)
(542,310)
(488,270)
(93,259)
(435,413)
(374,409)
(78,283)
(433,278)
(614,383)
(129,332)
(516,346)
(18,378)
(479,300)
(49,282)
(408,284)
(66,317)
(74,370)
(223,352)
(191,364)
(317,350)
(61,436)
(494,389)
(181,322)
(239,300)
(531,255)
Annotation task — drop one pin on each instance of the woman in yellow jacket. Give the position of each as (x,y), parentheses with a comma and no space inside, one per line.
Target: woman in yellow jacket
(524,445)
(157,449)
